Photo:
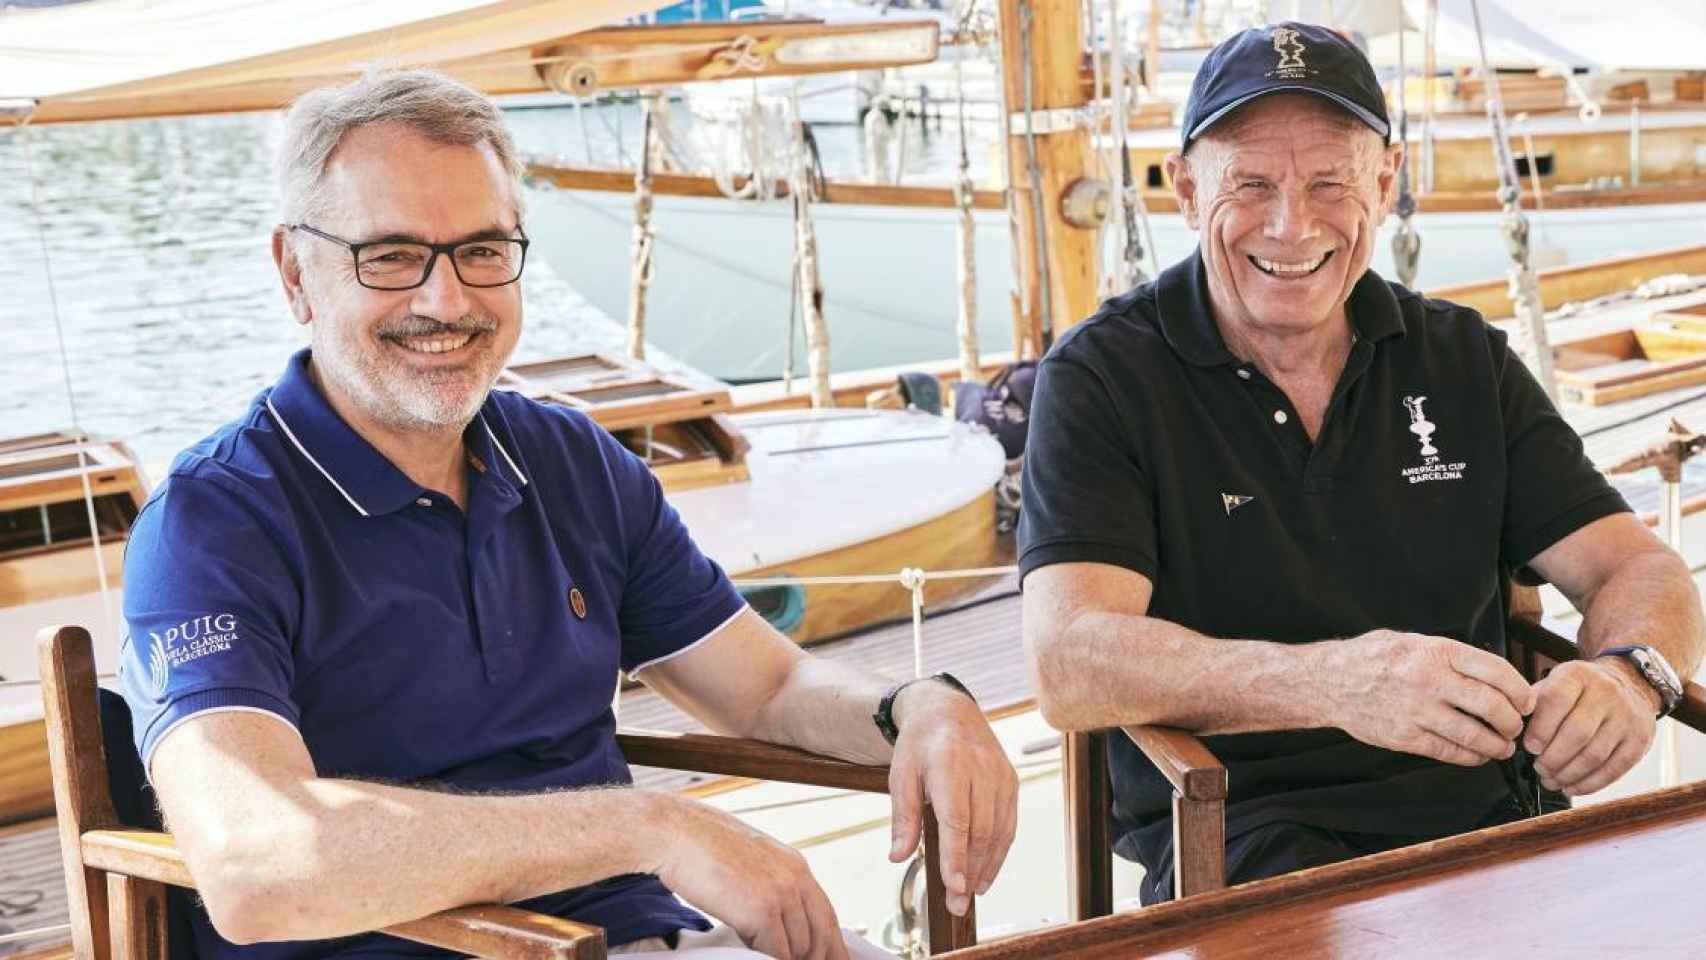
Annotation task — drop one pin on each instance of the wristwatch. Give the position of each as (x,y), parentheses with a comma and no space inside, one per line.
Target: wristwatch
(884,717)
(1657,671)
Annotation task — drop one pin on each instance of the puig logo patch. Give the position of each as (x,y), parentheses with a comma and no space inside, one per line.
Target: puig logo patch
(191,640)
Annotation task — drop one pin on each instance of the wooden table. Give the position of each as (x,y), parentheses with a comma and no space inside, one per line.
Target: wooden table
(1613,880)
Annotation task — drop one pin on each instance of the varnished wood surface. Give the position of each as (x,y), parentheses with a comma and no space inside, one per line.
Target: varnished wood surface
(1199,845)
(1089,828)
(1560,285)
(138,853)
(79,764)
(729,756)
(1613,880)
(505,932)
(947,932)
(138,917)
(26,786)
(1188,765)
(851,387)
(846,193)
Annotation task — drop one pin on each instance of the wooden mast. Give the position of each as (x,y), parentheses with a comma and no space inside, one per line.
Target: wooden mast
(1055,34)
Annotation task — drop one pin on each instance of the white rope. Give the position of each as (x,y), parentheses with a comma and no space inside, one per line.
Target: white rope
(879,144)
(642,270)
(1131,252)
(802,186)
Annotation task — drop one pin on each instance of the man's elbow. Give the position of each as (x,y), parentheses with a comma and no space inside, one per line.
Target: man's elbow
(1058,685)
(250,894)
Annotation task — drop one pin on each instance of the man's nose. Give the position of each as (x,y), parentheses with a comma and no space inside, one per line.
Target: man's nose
(442,296)
(1290,219)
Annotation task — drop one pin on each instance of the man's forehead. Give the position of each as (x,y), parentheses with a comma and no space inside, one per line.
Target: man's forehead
(386,179)
(1324,132)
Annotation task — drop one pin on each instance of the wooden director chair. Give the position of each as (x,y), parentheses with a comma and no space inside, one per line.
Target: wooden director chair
(1199,781)
(117,876)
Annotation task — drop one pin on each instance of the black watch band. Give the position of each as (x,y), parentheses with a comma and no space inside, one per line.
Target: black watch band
(1654,669)
(884,717)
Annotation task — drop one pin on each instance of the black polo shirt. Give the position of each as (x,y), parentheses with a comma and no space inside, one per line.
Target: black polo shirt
(1440,469)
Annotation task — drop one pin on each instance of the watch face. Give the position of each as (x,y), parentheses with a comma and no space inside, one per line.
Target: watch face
(1654,665)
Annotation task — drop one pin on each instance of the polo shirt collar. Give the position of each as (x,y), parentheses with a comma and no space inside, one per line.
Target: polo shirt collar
(1187,317)
(362,476)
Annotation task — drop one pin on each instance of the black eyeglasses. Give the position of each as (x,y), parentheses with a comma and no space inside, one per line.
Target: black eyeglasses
(405,265)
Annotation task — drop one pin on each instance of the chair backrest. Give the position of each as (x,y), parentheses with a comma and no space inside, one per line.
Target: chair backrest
(85,727)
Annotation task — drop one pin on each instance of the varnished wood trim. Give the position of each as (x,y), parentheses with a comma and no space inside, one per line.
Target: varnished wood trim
(1089,835)
(842,192)
(146,854)
(730,756)
(1181,757)
(1199,846)
(138,916)
(505,933)
(947,932)
(66,660)
(1109,936)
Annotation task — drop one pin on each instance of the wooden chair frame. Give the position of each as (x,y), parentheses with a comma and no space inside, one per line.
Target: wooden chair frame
(116,877)
(1200,783)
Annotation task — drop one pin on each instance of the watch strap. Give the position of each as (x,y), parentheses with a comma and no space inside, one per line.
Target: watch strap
(1647,662)
(884,717)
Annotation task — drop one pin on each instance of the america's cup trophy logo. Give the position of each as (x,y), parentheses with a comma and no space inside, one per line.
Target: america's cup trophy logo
(1421,426)
(1289,46)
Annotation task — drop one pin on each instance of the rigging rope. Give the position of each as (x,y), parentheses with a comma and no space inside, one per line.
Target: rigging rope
(1034,177)
(84,465)
(965,239)
(1131,259)
(1524,293)
(642,269)
(1406,241)
(805,185)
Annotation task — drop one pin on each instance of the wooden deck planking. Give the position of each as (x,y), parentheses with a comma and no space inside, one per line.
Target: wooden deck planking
(32,886)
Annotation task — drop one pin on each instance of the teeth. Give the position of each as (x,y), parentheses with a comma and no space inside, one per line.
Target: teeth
(1290,269)
(435,344)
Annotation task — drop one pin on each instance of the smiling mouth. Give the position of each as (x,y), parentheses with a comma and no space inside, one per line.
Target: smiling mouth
(1284,270)
(435,343)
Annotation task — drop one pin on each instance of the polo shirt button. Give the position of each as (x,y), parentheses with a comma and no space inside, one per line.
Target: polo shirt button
(1243,374)
(1280,417)
(423,502)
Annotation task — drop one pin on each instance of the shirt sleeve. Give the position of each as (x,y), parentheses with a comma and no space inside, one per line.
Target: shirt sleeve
(209,609)
(1552,489)
(1086,495)
(674,596)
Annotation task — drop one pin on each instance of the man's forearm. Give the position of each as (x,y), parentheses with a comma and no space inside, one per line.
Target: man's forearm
(1650,600)
(826,708)
(336,857)
(1112,669)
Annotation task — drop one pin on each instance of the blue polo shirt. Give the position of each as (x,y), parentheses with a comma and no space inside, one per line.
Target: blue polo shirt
(286,568)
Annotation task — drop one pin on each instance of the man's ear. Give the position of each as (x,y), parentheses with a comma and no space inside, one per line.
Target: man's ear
(290,274)
(1184,186)
(1387,177)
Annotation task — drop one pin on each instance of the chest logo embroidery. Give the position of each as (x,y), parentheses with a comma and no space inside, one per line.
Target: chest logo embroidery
(1433,466)
(1232,501)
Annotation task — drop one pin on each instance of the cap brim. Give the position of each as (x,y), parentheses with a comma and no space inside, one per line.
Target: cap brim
(1361,113)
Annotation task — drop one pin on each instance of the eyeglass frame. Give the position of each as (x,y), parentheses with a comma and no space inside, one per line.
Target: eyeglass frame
(437,248)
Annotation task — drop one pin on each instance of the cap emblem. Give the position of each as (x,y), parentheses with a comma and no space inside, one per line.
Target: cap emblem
(1288,44)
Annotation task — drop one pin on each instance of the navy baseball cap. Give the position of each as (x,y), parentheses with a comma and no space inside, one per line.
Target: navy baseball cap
(1284,58)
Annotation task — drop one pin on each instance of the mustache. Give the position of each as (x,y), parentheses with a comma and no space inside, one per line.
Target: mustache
(427,326)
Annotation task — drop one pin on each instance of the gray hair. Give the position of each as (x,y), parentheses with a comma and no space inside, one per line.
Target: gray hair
(428,102)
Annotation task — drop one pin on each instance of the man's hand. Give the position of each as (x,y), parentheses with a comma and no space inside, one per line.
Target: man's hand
(948,757)
(1427,695)
(1594,721)
(761,888)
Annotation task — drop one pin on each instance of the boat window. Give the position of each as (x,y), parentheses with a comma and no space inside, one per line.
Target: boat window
(1153,178)
(50,525)
(1542,164)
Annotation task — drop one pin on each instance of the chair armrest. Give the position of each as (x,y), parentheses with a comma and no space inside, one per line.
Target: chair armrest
(735,757)
(483,930)
(1183,759)
(1691,712)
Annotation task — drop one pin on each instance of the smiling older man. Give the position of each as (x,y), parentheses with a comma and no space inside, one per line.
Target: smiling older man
(1275,499)
(376,623)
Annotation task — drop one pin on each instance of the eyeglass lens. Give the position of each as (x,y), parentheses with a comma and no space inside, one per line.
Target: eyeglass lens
(478,263)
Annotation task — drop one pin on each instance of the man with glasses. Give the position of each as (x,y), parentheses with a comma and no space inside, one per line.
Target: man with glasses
(376,623)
